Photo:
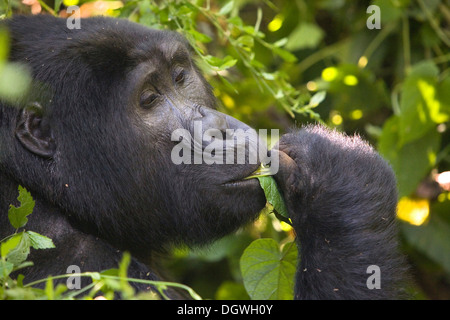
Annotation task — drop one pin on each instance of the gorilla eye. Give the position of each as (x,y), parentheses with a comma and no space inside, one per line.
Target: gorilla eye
(180,77)
(147,99)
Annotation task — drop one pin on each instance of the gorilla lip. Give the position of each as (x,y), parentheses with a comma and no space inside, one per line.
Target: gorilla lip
(238,183)
(242,179)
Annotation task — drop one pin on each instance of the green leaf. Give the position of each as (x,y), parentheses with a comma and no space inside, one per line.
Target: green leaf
(284,54)
(199,36)
(246,41)
(268,76)
(306,35)
(411,161)
(6,268)
(267,271)
(443,94)
(16,249)
(281,43)
(4,45)
(49,289)
(424,69)
(10,244)
(57,5)
(228,62)
(213,61)
(186,10)
(273,195)
(124,263)
(228,84)
(317,98)
(38,241)
(96,276)
(236,21)
(15,80)
(432,239)
(420,106)
(251,30)
(18,216)
(24,264)
(220,64)
(126,288)
(226,9)
(389,11)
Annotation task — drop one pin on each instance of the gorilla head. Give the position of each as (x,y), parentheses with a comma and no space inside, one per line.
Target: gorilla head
(93,138)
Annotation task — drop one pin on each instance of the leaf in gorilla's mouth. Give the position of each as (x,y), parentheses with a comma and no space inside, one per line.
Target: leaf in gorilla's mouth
(273,195)
(262,171)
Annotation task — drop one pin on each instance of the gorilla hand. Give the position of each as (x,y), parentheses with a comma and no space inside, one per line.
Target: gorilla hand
(341,196)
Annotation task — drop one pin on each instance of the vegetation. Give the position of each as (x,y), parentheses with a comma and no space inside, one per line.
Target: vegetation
(279,64)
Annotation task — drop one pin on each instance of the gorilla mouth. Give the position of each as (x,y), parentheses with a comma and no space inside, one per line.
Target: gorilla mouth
(240,183)
(241,179)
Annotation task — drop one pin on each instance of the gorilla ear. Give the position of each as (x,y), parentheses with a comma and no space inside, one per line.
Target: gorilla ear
(34,132)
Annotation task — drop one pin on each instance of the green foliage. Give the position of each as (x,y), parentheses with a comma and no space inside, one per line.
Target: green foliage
(279,63)
(273,195)
(411,161)
(267,271)
(14,77)
(18,216)
(14,251)
(241,40)
(431,239)
(306,35)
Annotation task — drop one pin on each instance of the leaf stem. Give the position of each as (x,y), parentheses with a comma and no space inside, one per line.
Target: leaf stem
(406,43)
(47,8)
(433,24)
(379,38)
(160,285)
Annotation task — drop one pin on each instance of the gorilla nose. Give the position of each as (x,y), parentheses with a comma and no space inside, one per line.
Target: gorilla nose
(235,124)
(219,138)
(213,119)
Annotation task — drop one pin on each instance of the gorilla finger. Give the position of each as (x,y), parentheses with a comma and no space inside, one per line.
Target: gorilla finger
(287,168)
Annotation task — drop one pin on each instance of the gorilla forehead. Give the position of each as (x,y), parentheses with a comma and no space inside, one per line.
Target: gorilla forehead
(102,43)
(133,43)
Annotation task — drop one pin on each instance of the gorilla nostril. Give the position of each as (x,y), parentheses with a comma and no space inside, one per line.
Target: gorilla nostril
(199,111)
(235,124)
(212,119)
(220,123)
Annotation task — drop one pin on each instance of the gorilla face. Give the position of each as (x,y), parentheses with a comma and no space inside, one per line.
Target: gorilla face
(202,201)
(102,144)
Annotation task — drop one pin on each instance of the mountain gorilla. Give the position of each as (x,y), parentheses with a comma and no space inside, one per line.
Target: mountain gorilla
(91,141)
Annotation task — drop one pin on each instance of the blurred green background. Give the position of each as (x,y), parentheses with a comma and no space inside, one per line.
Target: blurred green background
(280,64)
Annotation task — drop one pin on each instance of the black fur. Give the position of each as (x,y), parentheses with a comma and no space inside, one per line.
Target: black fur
(342,199)
(97,161)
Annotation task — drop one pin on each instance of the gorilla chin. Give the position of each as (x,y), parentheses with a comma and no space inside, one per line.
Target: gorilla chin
(246,195)
(214,208)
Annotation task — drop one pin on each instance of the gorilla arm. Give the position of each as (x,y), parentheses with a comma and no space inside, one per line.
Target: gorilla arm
(341,196)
